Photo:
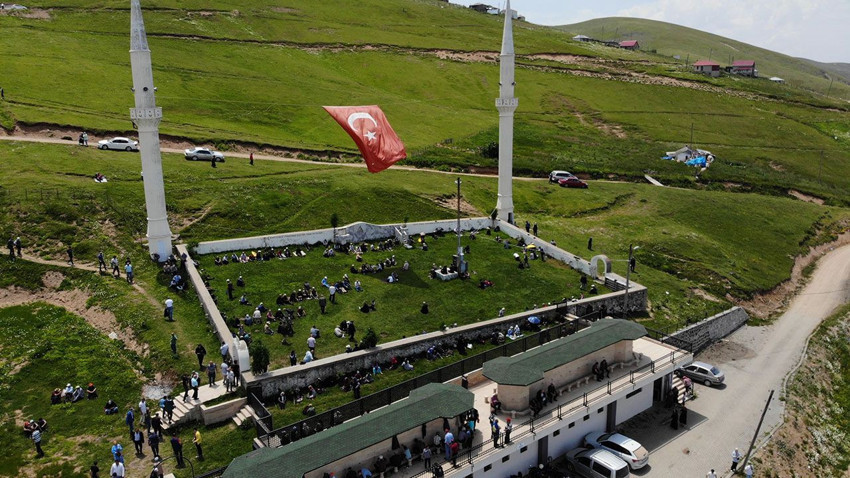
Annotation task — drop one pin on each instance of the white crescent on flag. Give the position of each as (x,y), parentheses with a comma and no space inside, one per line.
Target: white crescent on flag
(356,116)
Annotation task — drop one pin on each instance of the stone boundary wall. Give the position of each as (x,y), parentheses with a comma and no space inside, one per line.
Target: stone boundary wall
(208,304)
(608,304)
(355,232)
(710,330)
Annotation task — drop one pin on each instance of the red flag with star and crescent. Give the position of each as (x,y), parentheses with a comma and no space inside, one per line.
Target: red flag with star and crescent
(370,130)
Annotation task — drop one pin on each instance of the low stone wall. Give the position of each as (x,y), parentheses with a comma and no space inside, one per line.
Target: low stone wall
(222,411)
(710,330)
(351,233)
(208,304)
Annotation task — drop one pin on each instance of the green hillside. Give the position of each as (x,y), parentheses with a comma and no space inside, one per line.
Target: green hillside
(692,45)
(258,76)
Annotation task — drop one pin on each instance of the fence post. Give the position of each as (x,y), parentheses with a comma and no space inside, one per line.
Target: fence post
(560,416)
(584,399)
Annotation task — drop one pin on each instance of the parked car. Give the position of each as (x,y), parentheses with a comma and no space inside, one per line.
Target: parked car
(595,463)
(703,373)
(118,144)
(628,450)
(554,176)
(572,182)
(203,154)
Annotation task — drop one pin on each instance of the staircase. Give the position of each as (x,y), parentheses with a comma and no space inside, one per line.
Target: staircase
(245,414)
(186,411)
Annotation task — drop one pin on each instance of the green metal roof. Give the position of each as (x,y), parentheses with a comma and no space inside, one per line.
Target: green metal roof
(427,403)
(528,367)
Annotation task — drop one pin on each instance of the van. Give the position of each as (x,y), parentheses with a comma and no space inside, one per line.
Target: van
(596,463)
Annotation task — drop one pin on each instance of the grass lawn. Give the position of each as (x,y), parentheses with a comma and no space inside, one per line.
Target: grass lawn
(397,313)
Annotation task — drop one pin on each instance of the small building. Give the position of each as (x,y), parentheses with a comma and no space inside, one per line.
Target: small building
(777,79)
(744,68)
(630,45)
(581,38)
(484,8)
(707,67)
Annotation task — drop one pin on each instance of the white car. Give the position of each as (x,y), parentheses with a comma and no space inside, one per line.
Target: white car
(118,144)
(595,463)
(626,449)
(203,154)
(556,176)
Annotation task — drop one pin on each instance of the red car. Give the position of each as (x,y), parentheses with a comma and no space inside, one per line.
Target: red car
(572,182)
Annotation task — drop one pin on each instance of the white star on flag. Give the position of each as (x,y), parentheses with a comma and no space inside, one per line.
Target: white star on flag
(370,135)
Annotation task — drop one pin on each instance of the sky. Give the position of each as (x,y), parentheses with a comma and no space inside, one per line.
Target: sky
(815,29)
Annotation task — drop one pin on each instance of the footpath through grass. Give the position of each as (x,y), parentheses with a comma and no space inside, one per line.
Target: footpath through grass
(398,305)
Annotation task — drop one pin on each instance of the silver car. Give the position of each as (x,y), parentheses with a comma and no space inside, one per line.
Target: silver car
(628,450)
(703,373)
(203,154)
(595,463)
(118,144)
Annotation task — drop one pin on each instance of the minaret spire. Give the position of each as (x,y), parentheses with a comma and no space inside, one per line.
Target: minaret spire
(506,103)
(146,116)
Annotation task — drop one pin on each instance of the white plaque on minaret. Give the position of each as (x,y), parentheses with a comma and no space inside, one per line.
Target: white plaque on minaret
(506,103)
(146,116)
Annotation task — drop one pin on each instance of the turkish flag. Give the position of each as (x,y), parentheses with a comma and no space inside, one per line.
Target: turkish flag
(372,133)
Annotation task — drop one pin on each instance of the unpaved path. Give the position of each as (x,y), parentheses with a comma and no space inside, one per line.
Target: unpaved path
(755,361)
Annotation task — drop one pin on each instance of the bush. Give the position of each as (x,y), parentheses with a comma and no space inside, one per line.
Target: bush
(370,340)
(259,357)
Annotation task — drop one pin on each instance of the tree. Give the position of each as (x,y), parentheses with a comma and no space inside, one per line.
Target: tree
(334,224)
(259,357)
(370,340)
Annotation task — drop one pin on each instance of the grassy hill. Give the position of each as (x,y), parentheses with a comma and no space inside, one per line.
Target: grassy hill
(690,44)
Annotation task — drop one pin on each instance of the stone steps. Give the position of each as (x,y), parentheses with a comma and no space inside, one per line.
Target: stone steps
(246,413)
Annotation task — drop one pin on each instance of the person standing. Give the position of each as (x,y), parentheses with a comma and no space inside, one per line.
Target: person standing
(534,228)
(10,244)
(157,468)
(223,350)
(117,470)
(116,271)
(94,470)
(496,430)
(185,380)
(464,381)
(138,441)
(195,382)
(293,359)
(153,441)
(322,303)
(736,458)
(251,159)
(332,293)
(70,256)
(169,309)
(229,290)
(590,243)
(177,448)
(130,419)
(527,226)
(36,438)
(128,269)
(168,408)
(174,344)
(85,138)
(228,380)
(748,470)
(196,439)
(448,438)
(426,457)
(311,344)
(18,245)
(508,428)
(101,263)
(211,373)
(200,351)
(234,370)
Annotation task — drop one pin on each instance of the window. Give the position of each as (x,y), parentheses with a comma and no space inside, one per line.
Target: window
(600,468)
(616,447)
(584,461)
(572,424)
(506,458)
(586,418)
(633,393)
(602,409)
(557,432)
(488,468)
(523,449)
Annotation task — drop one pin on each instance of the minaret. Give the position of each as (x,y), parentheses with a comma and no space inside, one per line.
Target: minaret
(506,104)
(147,116)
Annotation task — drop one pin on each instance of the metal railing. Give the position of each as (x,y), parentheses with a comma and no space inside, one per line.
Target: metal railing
(264,422)
(277,437)
(217,473)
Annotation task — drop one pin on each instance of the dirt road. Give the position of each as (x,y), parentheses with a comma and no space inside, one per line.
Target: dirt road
(755,361)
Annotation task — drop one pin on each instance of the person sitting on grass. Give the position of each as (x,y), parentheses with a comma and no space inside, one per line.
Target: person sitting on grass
(268,329)
(110,408)
(68,393)
(56,396)
(244,300)
(78,394)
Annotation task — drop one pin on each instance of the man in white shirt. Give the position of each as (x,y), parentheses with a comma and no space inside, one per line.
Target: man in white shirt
(143,407)
(711,474)
(117,469)
(311,344)
(169,309)
(223,350)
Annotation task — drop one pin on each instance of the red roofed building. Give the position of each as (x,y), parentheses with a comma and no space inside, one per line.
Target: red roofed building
(630,45)
(707,67)
(744,68)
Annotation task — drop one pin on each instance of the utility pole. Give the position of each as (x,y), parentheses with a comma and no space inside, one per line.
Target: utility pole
(830,87)
(691,144)
(756,434)
(820,166)
(461,268)
(710,52)
(628,277)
